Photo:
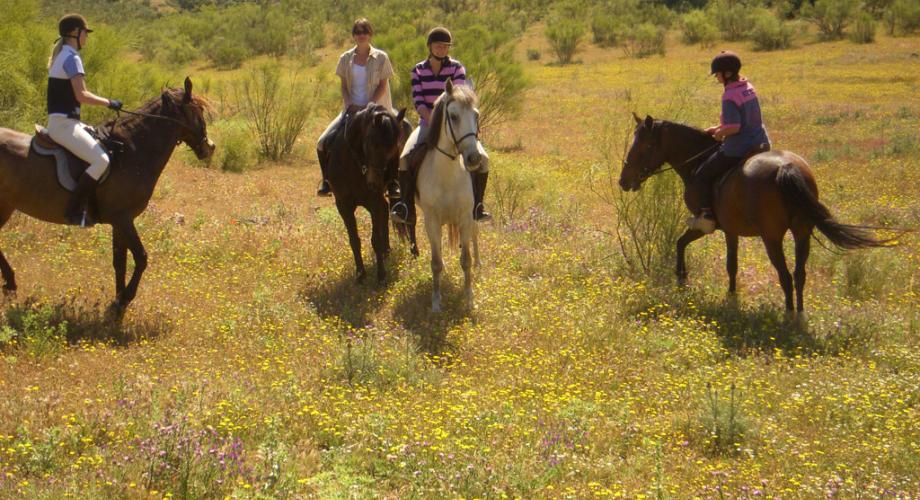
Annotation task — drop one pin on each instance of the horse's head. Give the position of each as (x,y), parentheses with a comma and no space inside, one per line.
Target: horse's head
(373,134)
(189,112)
(645,156)
(455,115)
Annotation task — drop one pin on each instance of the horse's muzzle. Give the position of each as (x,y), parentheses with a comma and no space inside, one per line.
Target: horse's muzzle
(472,160)
(205,150)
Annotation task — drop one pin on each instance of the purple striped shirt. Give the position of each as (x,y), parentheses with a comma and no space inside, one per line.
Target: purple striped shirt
(428,86)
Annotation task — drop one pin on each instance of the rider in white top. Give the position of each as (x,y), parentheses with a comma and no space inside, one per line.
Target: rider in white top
(66,91)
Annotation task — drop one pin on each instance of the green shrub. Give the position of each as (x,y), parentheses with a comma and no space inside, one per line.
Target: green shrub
(35,329)
(564,36)
(276,108)
(227,53)
(606,30)
(646,40)
(902,17)
(498,79)
(770,33)
(831,16)
(733,18)
(178,51)
(863,28)
(238,149)
(699,28)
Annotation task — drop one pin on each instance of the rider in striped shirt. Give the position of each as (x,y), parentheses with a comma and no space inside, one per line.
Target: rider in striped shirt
(429,78)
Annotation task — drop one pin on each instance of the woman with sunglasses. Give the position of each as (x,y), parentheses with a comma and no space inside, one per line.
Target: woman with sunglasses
(365,72)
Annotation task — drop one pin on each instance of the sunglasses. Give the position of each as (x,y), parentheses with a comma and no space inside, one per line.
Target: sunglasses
(360,32)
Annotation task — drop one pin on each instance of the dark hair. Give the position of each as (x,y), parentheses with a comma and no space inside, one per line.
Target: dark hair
(362,24)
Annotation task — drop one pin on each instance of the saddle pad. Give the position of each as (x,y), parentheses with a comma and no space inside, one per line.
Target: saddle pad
(68,167)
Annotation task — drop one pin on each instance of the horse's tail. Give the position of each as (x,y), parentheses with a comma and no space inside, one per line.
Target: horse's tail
(802,202)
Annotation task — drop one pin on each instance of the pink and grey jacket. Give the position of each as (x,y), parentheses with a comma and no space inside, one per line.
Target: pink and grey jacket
(428,86)
(741,107)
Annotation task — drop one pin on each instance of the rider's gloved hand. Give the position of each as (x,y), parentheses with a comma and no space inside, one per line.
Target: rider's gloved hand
(115,104)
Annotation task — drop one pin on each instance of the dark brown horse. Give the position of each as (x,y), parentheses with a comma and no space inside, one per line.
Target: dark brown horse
(774,192)
(28,182)
(363,156)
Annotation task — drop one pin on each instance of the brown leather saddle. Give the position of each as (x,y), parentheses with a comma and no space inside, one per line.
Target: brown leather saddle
(68,166)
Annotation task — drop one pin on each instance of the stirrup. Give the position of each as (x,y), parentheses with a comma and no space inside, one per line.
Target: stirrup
(400,213)
(81,220)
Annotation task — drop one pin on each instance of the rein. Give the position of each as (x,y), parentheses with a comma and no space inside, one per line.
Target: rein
(204,137)
(681,164)
(453,136)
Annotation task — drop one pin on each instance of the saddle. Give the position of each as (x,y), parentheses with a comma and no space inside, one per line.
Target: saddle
(756,150)
(69,167)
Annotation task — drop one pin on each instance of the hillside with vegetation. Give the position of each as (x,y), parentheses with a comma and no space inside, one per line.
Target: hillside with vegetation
(251,365)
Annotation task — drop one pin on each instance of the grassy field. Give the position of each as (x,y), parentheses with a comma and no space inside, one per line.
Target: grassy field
(252,365)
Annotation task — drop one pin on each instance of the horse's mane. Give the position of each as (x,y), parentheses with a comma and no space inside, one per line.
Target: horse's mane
(688,131)
(462,94)
(129,125)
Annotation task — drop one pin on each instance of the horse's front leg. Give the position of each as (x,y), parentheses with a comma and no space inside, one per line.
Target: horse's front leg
(688,237)
(433,228)
(347,212)
(128,237)
(380,236)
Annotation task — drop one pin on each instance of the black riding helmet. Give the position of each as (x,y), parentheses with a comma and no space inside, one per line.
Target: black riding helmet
(439,35)
(71,22)
(726,61)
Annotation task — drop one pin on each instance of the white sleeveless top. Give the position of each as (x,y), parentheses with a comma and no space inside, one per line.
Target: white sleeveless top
(359,85)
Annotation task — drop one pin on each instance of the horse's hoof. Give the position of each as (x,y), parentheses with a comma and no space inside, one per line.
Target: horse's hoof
(682,281)
(360,278)
(9,291)
(414,251)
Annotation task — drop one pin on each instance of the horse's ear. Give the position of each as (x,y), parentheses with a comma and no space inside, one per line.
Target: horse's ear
(188,91)
(649,122)
(166,104)
(636,117)
(449,87)
(401,115)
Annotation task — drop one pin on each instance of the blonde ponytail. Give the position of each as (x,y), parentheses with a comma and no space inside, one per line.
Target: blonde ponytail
(55,51)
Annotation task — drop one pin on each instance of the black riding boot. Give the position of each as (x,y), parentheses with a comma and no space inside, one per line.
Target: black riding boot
(77,212)
(393,191)
(324,188)
(479,190)
(404,211)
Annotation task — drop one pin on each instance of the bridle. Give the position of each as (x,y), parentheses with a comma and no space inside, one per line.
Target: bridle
(202,140)
(657,170)
(453,135)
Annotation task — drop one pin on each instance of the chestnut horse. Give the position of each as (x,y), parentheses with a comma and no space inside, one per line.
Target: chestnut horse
(772,193)
(28,182)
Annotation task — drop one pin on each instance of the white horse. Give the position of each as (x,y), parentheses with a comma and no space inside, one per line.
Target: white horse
(445,192)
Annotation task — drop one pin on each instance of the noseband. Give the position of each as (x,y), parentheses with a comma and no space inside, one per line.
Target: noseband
(453,136)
